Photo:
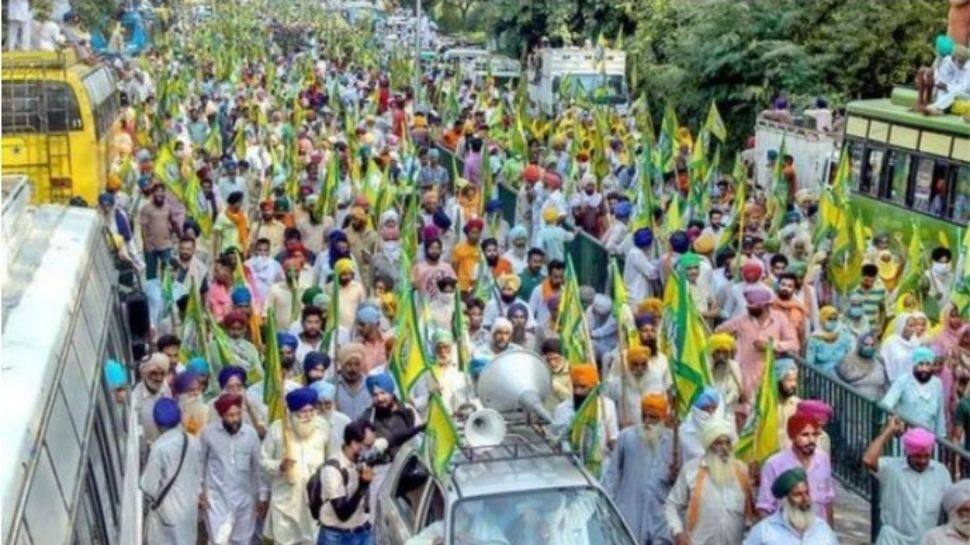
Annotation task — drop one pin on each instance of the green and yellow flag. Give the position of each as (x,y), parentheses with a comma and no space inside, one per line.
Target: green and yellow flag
(585,432)
(273,381)
(571,322)
(685,338)
(715,124)
(909,280)
(440,437)
(408,358)
(759,437)
(194,332)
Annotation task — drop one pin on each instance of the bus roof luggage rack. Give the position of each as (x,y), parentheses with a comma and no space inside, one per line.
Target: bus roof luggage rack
(38,60)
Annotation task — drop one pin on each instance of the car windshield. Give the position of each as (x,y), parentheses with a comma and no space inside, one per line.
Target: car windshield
(600,88)
(572,516)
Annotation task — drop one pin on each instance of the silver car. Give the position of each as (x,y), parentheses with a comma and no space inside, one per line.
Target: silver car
(522,492)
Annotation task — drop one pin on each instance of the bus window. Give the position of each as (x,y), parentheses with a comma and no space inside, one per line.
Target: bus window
(897,170)
(869,181)
(24,107)
(930,191)
(961,199)
(856,150)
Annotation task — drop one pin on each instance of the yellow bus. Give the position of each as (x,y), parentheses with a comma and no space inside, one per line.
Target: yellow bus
(58,119)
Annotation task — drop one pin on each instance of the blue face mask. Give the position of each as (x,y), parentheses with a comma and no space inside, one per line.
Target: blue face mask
(855,312)
(830,325)
(867,351)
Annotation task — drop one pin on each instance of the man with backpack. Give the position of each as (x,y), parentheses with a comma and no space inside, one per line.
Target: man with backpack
(344,483)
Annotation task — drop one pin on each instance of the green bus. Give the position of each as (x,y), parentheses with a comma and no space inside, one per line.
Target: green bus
(908,167)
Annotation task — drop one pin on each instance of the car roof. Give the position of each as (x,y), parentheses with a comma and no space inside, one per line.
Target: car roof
(484,477)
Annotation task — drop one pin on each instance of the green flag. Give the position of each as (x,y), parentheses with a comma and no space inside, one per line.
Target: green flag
(585,432)
(685,337)
(440,437)
(759,437)
(408,358)
(273,381)
(571,322)
(715,124)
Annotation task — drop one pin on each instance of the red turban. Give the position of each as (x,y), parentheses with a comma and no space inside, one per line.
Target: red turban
(474,223)
(227,401)
(798,422)
(234,317)
(531,173)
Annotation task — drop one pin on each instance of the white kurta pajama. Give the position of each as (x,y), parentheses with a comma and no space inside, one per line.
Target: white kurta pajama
(233,483)
(637,480)
(720,508)
(288,521)
(176,520)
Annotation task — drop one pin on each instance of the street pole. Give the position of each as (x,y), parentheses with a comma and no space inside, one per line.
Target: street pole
(416,78)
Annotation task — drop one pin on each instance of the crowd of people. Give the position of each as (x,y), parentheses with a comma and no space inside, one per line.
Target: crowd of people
(295,202)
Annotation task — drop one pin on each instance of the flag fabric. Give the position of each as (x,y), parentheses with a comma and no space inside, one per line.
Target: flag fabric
(194,332)
(585,432)
(409,361)
(571,322)
(960,293)
(915,263)
(273,380)
(213,141)
(759,437)
(684,339)
(627,330)
(848,249)
(440,437)
(168,289)
(715,124)
(459,331)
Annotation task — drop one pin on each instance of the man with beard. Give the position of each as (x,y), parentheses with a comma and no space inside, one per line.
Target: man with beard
(754,332)
(585,377)
(352,397)
(290,462)
(706,408)
(394,423)
(910,486)
(641,470)
(789,305)
(794,522)
(478,335)
(466,257)
(285,295)
(442,303)
(369,335)
(172,480)
(628,387)
(350,291)
(310,339)
(151,388)
(188,266)
(315,365)
(546,290)
(335,420)
(803,432)
(786,377)
(498,305)
(345,485)
(518,315)
(230,454)
(497,264)
(711,502)
(232,380)
(426,274)
(532,275)
(918,396)
(517,254)
(562,389)
(956,505)
(726,374)
(269,228)
(501,339)
(362,238)
(187,391)
(244,352)
(160,225)
(602,325)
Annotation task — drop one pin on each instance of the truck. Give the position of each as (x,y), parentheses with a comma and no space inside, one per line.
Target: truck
(815,150)
(559,75)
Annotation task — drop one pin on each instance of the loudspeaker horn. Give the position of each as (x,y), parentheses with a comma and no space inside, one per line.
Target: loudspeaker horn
(485,428)
(516,380)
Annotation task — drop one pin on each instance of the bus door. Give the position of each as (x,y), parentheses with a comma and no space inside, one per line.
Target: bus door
(38,116)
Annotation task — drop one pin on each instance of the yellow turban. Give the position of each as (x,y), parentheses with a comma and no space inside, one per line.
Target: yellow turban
(651,305)
(509,281)
(638,353)
(720,341)
(584,375)
(343,265)
(655,404)
(550,214)
(704,244)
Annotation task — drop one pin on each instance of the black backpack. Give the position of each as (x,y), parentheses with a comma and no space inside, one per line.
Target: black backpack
(314,487)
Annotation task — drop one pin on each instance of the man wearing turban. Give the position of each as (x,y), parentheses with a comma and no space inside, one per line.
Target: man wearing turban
(151,388)
(705,408)
(585,378)
(335,420)
(712,492)
(795,521)
(231,451)
(350,292)
(290,463)
(918,395)
(245,353)
(498,304)
(956,505)
(786,380)
(641,271)
(911,486)
(803,453)
(173,517)
(466,256)
(352,397)
(641,469)
(640,377)
(755,331)
(726,373)
(232,380)
(444,378)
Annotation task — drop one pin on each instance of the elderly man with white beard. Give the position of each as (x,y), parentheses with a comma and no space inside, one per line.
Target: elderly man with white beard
(641,470)
(187,389)
(711,502)
(794,522)
(956,503)
(290,462)
(146,393)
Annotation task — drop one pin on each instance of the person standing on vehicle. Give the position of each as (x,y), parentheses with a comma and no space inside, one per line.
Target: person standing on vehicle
(235,495)
(393,421)
(345,483)
(172,480)
(641,471)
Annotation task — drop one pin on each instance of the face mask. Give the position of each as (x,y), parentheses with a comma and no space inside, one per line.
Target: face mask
(855,312)
(831,326)
(941,269)
(867,351)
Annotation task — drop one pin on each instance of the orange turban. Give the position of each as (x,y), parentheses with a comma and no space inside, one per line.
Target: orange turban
(584,375)
(638,353)
(650,305)
(655,404)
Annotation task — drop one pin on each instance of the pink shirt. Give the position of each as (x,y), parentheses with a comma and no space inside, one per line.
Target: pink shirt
(218,301)
(821,487)
(747,330)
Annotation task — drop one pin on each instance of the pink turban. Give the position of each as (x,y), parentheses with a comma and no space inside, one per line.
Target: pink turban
(819,410)
(918,441)
(757,295)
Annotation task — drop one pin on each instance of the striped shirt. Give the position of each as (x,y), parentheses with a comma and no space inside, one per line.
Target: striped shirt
(873,300)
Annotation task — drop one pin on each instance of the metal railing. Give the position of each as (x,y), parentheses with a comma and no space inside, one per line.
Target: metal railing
(856,420)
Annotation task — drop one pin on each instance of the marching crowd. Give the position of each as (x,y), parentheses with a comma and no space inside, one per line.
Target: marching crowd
(296,204)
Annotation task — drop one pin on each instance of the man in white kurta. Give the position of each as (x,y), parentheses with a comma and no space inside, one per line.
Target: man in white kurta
(584,379)
(711,499)
(174,519)
(235,492)
(149,390)
(290,463)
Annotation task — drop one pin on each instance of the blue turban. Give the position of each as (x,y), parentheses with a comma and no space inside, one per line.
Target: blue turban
(623,209)
(493,205)
(644,319)
(241,296)
(230,371)
(708,398)
(324,389)
(679,242)
(922,355)
(643,238)
(198,366)
(772,155)
(368,314)
(299,398)
(477,365)
(106,199)
(380,380)
(944,45)
(441,220)
(115,375)
(183,382)
(315,359)
(166,413)
(783,366)
(518,232)
(517,307)
(286,339)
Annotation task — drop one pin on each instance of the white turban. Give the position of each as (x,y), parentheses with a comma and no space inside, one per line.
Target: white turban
(715,428)
(155,361)
(956,495)
(501,324)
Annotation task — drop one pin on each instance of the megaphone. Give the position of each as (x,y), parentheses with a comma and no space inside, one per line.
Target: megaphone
(516,380)
(485,428)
